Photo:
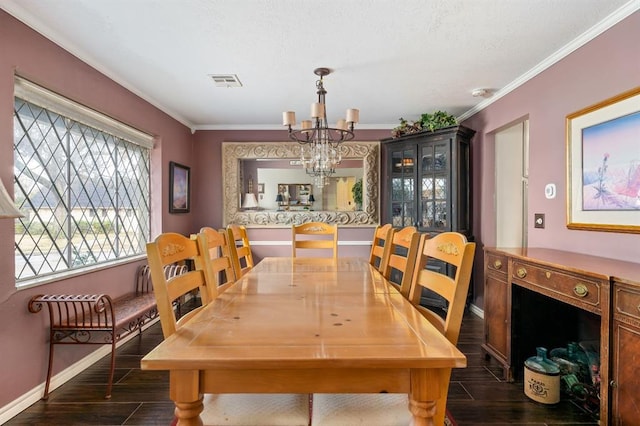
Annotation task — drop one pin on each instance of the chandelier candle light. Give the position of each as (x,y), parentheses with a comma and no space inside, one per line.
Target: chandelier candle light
(320,153)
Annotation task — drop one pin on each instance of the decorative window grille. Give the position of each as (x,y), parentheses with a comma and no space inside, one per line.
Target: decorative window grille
(82,183)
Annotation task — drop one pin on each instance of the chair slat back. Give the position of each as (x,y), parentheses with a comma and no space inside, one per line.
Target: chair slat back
(453,249)
(239,249)
(399,267)
(221,264)
(172,248)
(381,246)
(316,235)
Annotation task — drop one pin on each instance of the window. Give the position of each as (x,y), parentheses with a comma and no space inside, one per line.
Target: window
(82,182)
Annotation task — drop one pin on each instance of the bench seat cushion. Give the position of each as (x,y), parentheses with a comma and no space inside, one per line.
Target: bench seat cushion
(129,308)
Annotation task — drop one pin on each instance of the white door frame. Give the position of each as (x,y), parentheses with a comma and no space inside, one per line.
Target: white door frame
(511,184)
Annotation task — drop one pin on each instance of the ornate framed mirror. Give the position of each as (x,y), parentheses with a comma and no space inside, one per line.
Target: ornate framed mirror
(235,182)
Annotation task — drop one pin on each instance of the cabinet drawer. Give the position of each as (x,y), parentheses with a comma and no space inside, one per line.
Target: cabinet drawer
(496,263)
(575,289)
(627,302)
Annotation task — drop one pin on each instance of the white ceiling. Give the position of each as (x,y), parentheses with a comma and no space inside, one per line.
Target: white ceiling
(390,59)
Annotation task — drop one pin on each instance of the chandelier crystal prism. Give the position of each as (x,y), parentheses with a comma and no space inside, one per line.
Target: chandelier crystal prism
(321,151)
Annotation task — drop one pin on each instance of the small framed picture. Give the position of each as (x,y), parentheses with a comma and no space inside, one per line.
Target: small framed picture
(179,188)
(261,188)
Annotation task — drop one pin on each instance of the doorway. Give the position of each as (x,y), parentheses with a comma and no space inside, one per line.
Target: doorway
(512,171)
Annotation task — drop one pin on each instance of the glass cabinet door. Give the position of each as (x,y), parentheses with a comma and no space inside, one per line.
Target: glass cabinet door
(403,176)
(434,180)
(426,179)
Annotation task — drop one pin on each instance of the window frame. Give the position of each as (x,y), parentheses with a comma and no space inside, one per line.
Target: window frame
(68,109)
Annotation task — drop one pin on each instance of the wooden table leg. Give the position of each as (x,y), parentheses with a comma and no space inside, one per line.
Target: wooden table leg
(423,412)
(426,386)
(185,392)
(188,413)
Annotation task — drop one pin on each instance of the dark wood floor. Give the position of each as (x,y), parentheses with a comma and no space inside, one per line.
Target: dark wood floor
(477,395)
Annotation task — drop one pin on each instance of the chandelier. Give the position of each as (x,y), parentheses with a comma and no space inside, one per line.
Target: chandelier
(320,153)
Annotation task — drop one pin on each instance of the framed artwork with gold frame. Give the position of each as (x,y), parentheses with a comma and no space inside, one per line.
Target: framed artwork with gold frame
(603,165)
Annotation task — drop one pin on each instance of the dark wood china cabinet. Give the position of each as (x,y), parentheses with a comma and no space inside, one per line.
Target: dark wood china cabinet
(426,180)
(426,183)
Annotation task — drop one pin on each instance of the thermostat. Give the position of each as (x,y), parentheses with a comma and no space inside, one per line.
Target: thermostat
(550,190)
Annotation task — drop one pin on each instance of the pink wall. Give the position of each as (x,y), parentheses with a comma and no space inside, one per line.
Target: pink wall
(606,66)
(23,350)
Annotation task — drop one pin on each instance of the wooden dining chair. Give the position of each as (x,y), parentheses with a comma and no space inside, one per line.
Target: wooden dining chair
(172,248)
(380,246)
(239,249)
(217,248)
(314,235)
(219,409)
(452,249)
(403,249)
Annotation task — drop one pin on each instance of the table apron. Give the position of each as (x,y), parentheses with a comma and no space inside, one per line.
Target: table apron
(323,380)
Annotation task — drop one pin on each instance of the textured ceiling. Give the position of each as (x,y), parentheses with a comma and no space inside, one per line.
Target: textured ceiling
(390,59)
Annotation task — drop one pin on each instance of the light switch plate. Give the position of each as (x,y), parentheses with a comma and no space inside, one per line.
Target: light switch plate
(538,220)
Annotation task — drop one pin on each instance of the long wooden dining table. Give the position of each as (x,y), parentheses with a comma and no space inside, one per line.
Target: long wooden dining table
(307,325)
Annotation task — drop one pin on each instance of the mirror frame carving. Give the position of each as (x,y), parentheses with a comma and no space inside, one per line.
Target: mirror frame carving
(233,152)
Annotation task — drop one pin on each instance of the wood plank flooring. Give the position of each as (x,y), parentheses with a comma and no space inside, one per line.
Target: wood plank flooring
(477,394)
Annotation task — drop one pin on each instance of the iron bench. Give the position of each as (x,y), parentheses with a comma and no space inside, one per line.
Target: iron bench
(97,318)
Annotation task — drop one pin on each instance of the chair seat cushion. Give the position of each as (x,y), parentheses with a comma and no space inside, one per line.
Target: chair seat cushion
(256,409)
(370,409)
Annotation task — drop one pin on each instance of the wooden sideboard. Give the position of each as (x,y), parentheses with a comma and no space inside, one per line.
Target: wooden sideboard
(545,297)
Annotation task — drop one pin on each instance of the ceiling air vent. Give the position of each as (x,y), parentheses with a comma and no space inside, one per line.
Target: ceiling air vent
(226,80)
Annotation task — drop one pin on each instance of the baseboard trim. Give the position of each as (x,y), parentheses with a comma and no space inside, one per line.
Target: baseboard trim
(476,310)
(288,243)
(20,404)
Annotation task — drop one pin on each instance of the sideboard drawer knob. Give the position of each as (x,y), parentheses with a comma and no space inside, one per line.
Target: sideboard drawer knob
(521,272)
(580,290)
(497,264)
